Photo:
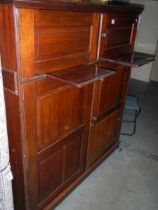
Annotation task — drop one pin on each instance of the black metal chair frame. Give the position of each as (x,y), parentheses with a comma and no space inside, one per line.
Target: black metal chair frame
(137,113)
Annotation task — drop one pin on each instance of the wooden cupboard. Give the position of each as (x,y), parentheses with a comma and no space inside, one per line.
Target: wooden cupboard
(64,91)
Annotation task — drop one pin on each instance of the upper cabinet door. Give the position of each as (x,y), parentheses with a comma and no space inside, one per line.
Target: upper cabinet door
(56,40)
(117,34)
(108,94)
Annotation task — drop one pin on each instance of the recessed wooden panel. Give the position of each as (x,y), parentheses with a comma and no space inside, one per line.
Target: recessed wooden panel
(62,42)
(49,122)
(57,40)
(63,39)
(118,36)
(72,157)
(48,84)
(50,65)
(26,45)
(120,19)
(62,18)
(50,173)
(111,89)
(103,135)
(10,80)
(59,112)
(59,164)
(108,92)
(7,37)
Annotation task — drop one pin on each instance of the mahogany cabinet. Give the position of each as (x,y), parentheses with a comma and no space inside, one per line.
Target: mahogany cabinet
(65,90)
(118,34)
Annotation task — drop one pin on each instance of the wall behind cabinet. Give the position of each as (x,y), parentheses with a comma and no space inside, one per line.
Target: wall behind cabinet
(6,200)
(147,37)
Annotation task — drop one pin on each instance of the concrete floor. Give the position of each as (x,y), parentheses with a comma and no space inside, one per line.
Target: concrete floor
(127,180)
(146,137)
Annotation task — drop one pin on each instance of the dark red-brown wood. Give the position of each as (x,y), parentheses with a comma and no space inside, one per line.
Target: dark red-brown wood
(81,5)
(83,75)
(64,101)
(117,34)
(135,59)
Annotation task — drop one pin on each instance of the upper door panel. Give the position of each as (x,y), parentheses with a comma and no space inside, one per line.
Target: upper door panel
(54,40)
(118,34)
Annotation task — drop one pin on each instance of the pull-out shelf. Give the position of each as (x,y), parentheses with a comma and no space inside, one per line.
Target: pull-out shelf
(81,75)
(134,59)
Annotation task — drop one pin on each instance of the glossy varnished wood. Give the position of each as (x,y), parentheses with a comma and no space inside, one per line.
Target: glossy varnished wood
(15,148)
(108,92)
(84,6)
(54,121)
(55,44)
(66,161)
(7,38)
(59,133)
(124,25)
(101,138)
(26,43)
(106,113)
(135,59)
(55,134)
(82,75)
(12,101)
(10,80)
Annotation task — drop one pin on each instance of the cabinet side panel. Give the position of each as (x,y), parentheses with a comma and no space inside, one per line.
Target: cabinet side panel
(15,146)
(7,37)
(30,142)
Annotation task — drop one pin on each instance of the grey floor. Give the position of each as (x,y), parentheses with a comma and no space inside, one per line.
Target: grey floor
(146,137)
(127,180)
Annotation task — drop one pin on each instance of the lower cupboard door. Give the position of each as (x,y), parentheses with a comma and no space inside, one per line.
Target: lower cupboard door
(103,136)
(56,140)
(59,165)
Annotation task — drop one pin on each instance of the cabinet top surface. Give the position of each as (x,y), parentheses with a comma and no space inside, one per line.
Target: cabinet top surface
(78,5)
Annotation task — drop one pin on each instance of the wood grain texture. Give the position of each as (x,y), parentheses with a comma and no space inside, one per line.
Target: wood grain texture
(30,144)
(7,38)
(64,39)
(25,20)
(134,59)
(94,39)
(54,134)
(15,148)
(82,75)
(103,135)
(56,160)
(64,132)
(53,203)
(111,90)
(10,80)
(118,34)
(54,121)
(85,6)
